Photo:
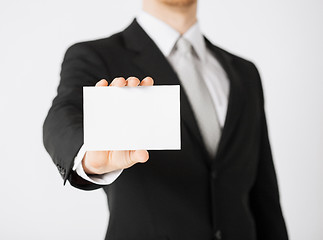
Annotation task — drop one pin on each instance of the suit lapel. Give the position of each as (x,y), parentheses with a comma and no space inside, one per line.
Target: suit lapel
(235,105)
(150,60)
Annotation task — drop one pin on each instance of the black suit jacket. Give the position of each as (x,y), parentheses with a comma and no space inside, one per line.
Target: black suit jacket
(177,194)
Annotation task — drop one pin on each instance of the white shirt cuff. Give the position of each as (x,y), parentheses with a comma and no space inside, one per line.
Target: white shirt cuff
(102,179)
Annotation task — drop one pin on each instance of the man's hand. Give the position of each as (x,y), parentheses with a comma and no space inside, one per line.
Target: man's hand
(100,162)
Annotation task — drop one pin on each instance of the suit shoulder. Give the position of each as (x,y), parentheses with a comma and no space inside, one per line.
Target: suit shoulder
(114,41)
(246,69)
(237,60)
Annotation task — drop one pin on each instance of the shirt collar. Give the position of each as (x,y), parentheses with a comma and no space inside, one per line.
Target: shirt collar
(165,37)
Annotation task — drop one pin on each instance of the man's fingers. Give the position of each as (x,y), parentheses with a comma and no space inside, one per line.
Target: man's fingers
(100,162)
(147,81)
(139,156)
(102,83)
(118,82)
(132,82)
(132,157)
(125,159)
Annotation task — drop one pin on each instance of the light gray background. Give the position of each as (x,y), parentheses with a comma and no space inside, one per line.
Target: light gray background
(284,39)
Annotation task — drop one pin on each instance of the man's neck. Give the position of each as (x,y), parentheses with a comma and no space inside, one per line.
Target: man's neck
(181,18)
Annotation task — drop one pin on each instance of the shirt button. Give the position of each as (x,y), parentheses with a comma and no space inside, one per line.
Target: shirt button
(218,235)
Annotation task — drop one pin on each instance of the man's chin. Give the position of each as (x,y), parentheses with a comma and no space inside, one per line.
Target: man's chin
(179,3)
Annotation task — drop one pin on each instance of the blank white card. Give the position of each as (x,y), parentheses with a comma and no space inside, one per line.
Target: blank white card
(129,118)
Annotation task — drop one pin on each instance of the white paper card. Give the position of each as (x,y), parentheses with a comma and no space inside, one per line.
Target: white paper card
(129,118)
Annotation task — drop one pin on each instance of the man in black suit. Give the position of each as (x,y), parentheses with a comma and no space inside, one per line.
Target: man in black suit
(222,183)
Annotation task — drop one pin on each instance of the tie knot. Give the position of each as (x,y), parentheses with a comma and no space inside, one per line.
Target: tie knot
(183,46)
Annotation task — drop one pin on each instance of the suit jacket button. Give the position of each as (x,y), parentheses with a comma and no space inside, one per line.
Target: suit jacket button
(62,171)
(214,174)
(218,235)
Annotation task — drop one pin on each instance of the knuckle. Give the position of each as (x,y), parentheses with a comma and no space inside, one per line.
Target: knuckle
(132,78)
(131,160)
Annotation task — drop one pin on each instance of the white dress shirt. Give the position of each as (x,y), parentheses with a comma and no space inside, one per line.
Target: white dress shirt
(213,74)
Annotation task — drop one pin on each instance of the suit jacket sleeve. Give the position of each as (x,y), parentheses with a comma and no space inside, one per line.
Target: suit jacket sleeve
(63,126)
(264,197)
